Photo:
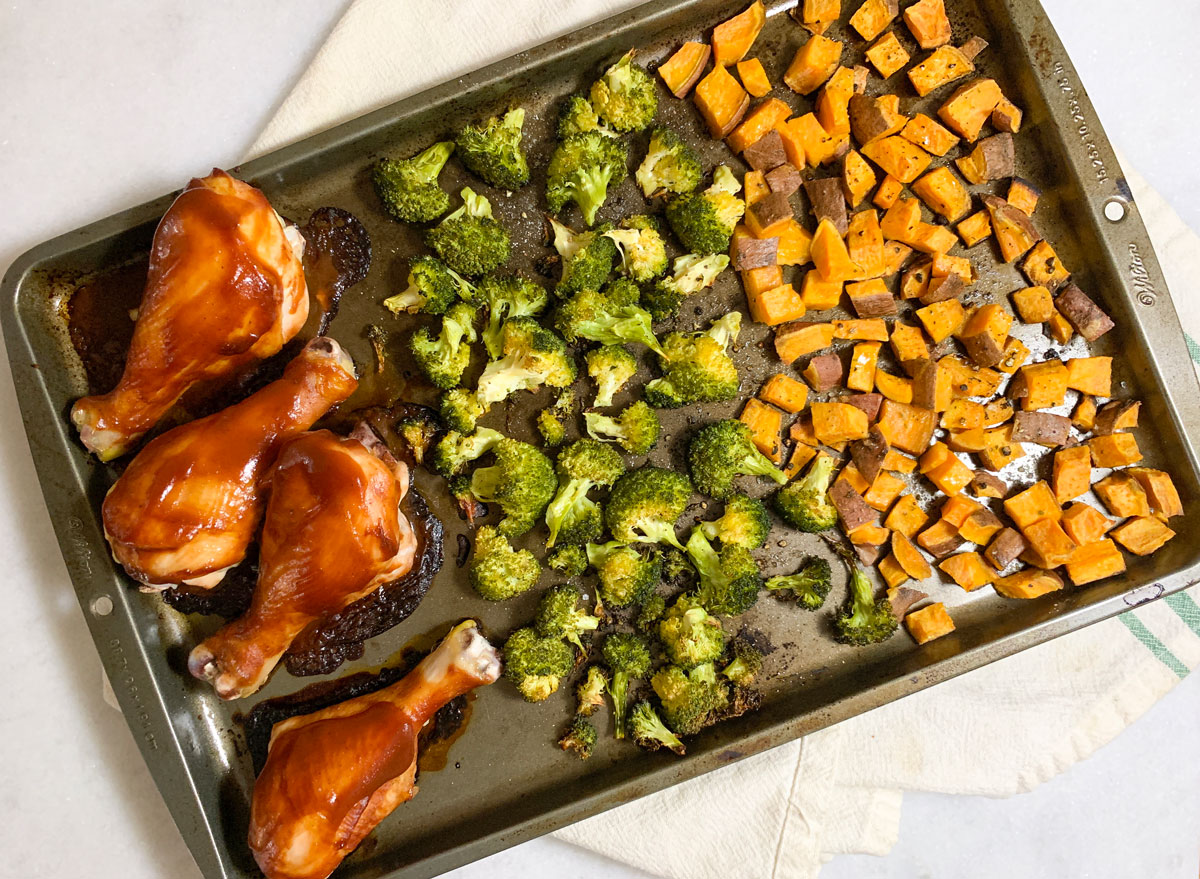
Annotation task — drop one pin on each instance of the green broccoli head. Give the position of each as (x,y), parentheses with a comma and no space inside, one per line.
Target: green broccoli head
(551,427)
(643,251)
(572,516)
(697,367)
(506,297)
(492,151)
(621,292)
(704,221)
(592,315)
(610,367)
(744,523)
(455,450)
(628,657)
(690,635)
(531,356)
(581,169)
(521,482)
(576,115)
(558,615)
(677,570)
(723,450)
(444,357)
(804,503)
(536,665)
(470,241)
(498,571)
(409,188)
(809,586)
(569,559)
(625,97)
(636,429)
(587,259)
(589,693)
(460,409)
(691,700)
(432,288)
(651,612)
(418,429)
(626,574)
(649,732)
(729,578)
(864,619)
(746,664)
(670,165)
(691,273)
(645,504)
(580,737)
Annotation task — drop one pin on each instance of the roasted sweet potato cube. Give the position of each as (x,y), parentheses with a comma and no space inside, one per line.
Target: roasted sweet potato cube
(1090,375)
(897,461)
(893,387)
(1046,384)
(864,243)
(858,178)
(1043,267)
(874,118)
(801,455)
(838,422)
(1084,416)
(758,281)
(907,427)
(980,527)
(1006,547)
(1043,428)
(862,366)
(795,244)
(850,473)
(899,158)
(820,294)
(985,484)
(1072,473)
(975,228)
(798,338)
(869,534)
(986,333)
(1050,544)
(1160,491)
(933,457)
(944,65)
(974,440)
(801,430)
(1034,503)
(776,306)
(1116,415)
(887,55)
(813,63)
(1095,561)
(824,372)
(748,252)
(932,385)
(943,287)
(928,23)
(853,511)
(1007,116)
(951,477)
(1014,231)
(993,158)
(962,415)
(930,622)
(910,557)
(872,329)
(829,253)
(943,193)
(785,392)
(1142,535)
(906,517)
(683,69)
(929,134)
(766,427)
(940,539)
(895,255)
(873,17)
(968,570)
(721,100)
(766,117)
(969,107)
(764,154)
(753,77)
(997,411)
(941,319)
(883,491)
(888,193)
(868,403)
(1114,450)
(893,575)
(901,220)
(1030,583)
(929,238)
(1034,304)
(1088,319)
(871,299)
(1084,523)
(1022,194)
(818,15)
(784,179)
(832,106)
(1059,328)
(733,38)
(1123,495)
(996,458)
(827,201)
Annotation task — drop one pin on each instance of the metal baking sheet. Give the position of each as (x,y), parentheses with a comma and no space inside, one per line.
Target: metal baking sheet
(506,781)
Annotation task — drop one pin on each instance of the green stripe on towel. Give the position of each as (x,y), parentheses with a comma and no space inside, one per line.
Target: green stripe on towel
(1192,347)
(1184,605)
(1155,646)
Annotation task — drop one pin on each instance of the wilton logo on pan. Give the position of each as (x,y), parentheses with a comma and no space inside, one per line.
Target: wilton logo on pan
(1143,287)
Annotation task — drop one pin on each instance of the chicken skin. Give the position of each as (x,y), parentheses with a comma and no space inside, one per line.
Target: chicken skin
(225,289)
(332,776)
(333,532)
(189,504)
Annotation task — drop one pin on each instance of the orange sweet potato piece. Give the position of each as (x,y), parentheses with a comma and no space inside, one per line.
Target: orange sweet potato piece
(801,455)
(1072,473)
(930,622)
(869,534)
(1084,416)
(753,77)
(1029,583)
(829,253)
(818,15)
(832,104)
(858,178)
(1095,561)
(895,256)
(928,23)
(1015,232)
(864,243)
(732,39)
(1084,523)
(1160,491)
(766,427)
(862,367)
(1048,543)
(1042,266)
(754,187)
(838,422)
(951,477)
(721,100)
(1114,450)
(1045,384)
(891,572)
(939,539)
(758,281)
(1090,375)
(901,221)
(980,527)
(1123,495)
(873,17)
(796,339)
(1059,328)
(873,329)
(975,228)
(1023,195)
(893,387)
(929,238)
(768,115)
(1142,535)
(908,342)
(941,319)
(906,517)
(887,55)
(1007,116)
(1034,503)
(943,193)
(885,489)
(795,244)
(968,570)
(683,69)
(943,66)
(963,415)
(933,457)
(898,461)
(910,557)
(984,335)
(898,157)
(888,193)
(1034,304)
(966,111)
(929,135)
(820,294)
(776,306)
(907,427)
(813,63)
(854,478)
(783,391)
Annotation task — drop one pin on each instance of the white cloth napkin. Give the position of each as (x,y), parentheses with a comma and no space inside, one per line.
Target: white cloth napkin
(998,731)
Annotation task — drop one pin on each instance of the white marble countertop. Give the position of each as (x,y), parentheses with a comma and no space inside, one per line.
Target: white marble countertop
(107,103)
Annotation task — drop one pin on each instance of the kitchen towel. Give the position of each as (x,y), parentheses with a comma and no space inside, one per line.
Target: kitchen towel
(1000,730)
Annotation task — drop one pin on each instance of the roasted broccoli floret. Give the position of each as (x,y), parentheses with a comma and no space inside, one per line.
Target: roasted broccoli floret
(577,116)
(611,367)
(650,613)
(628,657)
(532,356)
(624,96)
(581,169)
(670,165)
(704,221)
(521,482)
(804,503)
(691,273)
(492,151)
(558,615)
(535,664)
(551,422)
(418,429)
(746,664)
(460,409)
(568,559)
(864,619)
(690,700)
(497,570)
(744,523)
(586,258)
(645,504)
(580,737)
(456,450)
(572,516)
(626,574)
(589,693)
(697,367)
(729,578)
(470,240)
(595,316)
(650,732)
(723,450)
(432,288)
(444,357)
(677,570)
(469,507)
(506,297)
(690,635)
(635,429)
(409,188)
(809,586)
(643,251)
